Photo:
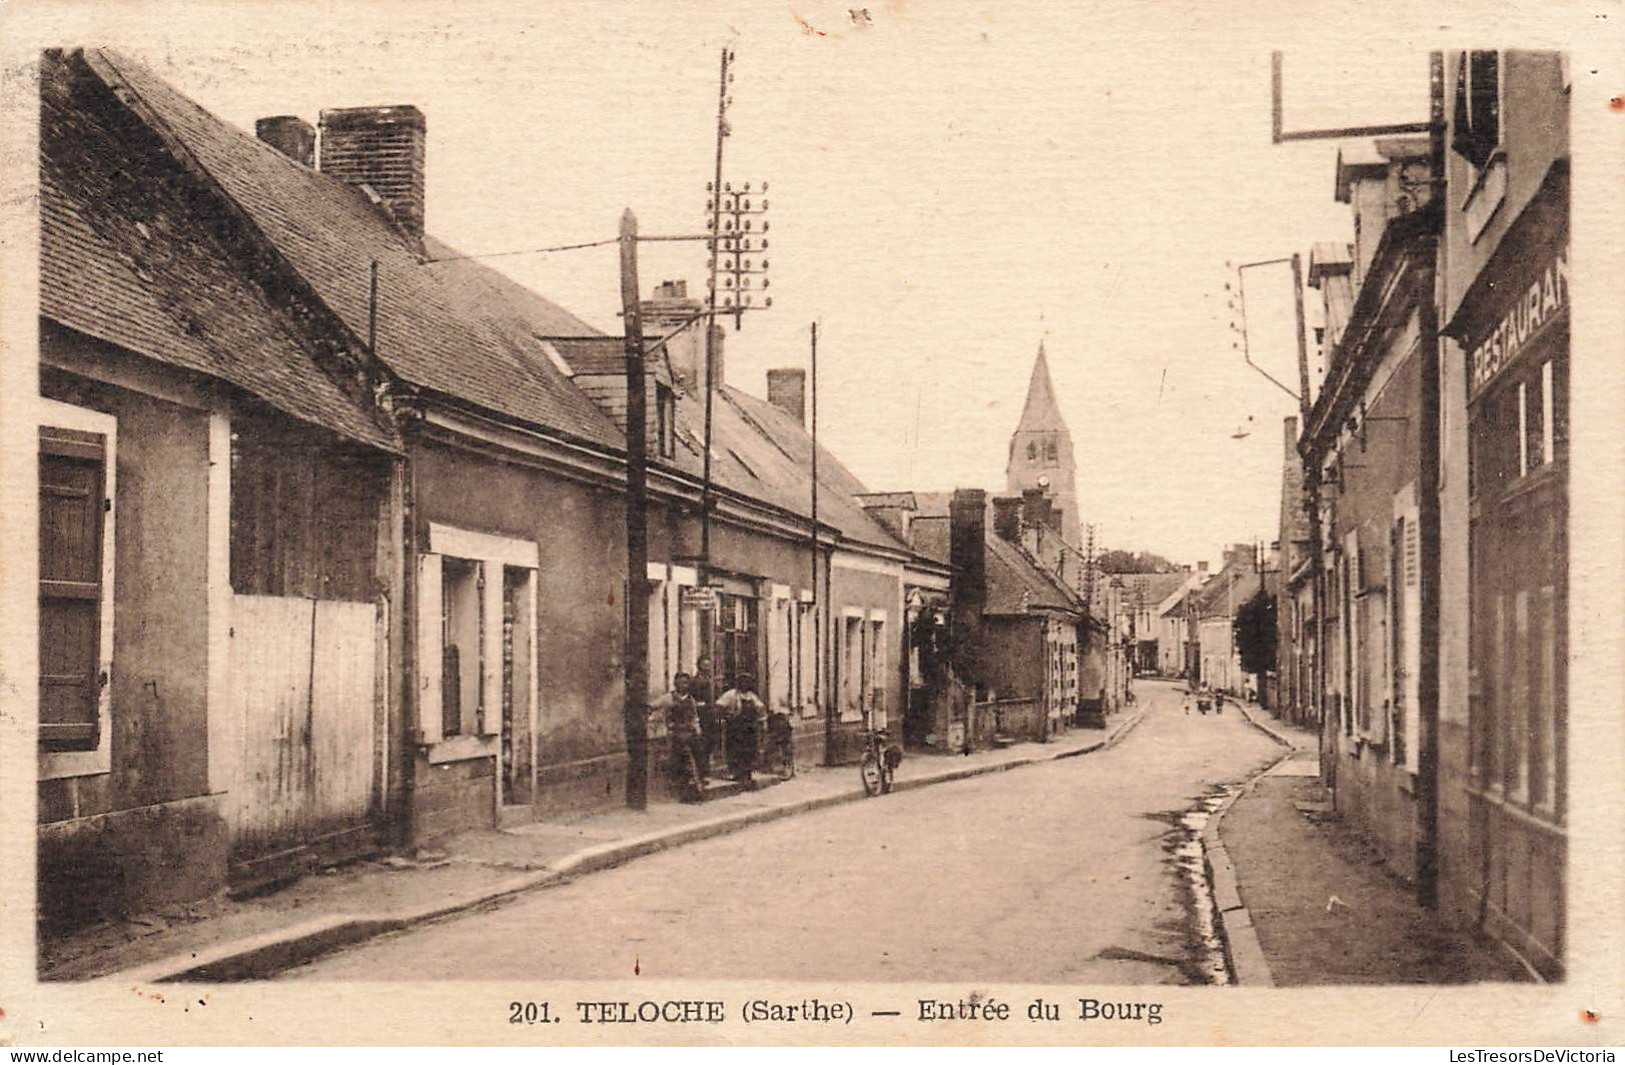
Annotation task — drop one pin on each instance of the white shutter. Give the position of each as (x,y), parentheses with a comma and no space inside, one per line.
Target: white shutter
(491,659)
(429,645)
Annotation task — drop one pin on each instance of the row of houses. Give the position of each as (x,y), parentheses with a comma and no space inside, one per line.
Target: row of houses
(330,522)
(1424,602)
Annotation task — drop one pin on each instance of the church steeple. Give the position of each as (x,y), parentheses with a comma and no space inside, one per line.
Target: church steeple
(1041,414)
(1041,450)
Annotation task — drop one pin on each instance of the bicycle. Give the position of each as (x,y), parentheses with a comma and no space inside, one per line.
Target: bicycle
(880,760)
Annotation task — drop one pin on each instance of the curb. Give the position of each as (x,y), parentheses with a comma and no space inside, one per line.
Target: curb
(1232,920)
(259,957)
(1266,730)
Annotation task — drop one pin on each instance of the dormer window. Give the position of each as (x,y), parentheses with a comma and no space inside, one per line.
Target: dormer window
(1478,107)
(665,421)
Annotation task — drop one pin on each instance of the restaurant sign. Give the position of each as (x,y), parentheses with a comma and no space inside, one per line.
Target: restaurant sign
(1544,300)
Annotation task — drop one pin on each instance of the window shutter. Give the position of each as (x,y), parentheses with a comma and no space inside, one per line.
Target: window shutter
(430,645)
(73,467)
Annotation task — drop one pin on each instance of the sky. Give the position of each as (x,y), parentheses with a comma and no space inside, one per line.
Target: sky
(950,184)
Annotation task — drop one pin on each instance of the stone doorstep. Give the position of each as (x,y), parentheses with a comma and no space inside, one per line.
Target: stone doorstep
(260,956)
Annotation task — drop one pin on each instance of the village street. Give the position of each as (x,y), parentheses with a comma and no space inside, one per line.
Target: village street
(1053,873)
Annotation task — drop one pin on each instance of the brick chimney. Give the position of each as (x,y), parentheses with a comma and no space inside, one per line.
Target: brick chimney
(290,135)
(383,149)
(967,546)
(787,390)
(1007,517)
(670,309)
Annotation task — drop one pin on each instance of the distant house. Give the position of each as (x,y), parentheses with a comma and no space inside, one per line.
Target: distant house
(1214,613)
(1014,626)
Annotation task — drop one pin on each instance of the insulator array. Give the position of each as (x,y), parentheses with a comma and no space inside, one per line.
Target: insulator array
(739,247)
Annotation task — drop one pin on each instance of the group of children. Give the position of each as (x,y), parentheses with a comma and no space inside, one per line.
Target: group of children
(697,726)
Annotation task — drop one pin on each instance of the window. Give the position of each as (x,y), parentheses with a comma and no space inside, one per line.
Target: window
(1049,451)
(1478,107)
(875,683)
(665,419)
(734,639)
(852,670)
(1032,451)
(476,640)
(461,641)
(75,582)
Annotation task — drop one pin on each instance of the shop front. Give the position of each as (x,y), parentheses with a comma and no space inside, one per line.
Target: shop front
(1516,336)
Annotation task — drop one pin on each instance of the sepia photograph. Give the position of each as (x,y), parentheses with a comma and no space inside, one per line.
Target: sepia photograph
(673,524)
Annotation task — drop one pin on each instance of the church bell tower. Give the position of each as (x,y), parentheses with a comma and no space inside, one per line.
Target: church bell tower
(1041,451)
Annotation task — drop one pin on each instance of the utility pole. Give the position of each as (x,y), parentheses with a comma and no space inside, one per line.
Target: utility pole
(714,226)
(820,641)
(636,716)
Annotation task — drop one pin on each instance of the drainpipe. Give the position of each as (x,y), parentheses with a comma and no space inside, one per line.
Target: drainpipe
(1427,750)
(405,826)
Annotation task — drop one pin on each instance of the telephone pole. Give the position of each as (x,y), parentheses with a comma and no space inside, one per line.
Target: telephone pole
(636,715)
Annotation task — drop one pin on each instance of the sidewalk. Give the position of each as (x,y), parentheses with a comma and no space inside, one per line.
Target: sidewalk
(221,939)
(1312,905)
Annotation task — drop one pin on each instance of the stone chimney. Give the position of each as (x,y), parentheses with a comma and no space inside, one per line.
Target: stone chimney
(290,135)
(1038,510)
(967,547)
(787,390)
(1201,567)
(1007,517)
(671,309)
(383,149)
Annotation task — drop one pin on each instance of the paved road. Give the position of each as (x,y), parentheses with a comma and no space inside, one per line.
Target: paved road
(1058,872)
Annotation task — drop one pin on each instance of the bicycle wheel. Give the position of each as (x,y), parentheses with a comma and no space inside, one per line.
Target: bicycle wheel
(873,774)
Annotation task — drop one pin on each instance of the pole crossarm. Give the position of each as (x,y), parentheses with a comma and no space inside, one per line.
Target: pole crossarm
(1281,136)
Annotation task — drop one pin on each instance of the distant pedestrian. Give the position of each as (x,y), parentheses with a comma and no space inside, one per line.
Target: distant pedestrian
(742,711)
(704,689)
(683,731)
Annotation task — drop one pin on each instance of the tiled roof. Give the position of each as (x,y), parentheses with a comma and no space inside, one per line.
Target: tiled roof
(1225,593)
(130,255)
(602,356)
(1148,588)
(761,452)
(460,328)
(1015,585)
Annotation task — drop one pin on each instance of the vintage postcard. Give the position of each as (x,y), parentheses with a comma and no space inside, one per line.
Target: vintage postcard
(808,523)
